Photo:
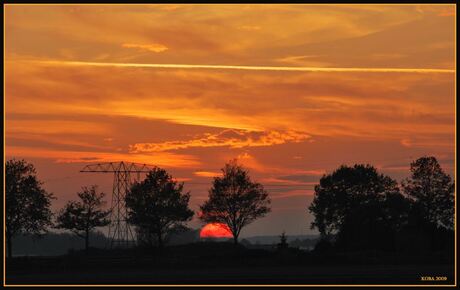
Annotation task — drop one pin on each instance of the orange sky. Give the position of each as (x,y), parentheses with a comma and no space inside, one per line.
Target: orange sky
(292,91)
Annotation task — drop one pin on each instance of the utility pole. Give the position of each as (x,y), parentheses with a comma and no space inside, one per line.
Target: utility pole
(120,232)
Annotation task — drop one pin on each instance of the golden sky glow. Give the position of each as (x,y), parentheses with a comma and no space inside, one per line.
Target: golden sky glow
(292,91)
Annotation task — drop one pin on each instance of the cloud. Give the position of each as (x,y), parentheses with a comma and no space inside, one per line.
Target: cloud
(63,156)
(210,34)
(406,142)
(300,179)
(168,7)
(447,13)
(426,142)
(207,173)
(249,27)
(293,193)
(55,141)
(304,60)
(182,179)
(323,69)
(352,104)
(53,127)
(232,138)
(274,170)
(281,181)
(253,68)
(154,47)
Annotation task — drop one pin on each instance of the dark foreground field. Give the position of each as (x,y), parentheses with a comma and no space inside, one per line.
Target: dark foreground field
(384,274)
(221,264)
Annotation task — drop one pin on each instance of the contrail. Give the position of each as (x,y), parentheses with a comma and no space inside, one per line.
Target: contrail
(245,67)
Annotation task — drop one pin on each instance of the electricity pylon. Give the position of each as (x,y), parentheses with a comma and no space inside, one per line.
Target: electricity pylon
(120,233)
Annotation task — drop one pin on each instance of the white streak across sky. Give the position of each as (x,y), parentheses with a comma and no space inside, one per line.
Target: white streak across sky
(245,67)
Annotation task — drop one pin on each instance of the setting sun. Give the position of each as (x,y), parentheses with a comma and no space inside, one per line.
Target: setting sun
(215,230)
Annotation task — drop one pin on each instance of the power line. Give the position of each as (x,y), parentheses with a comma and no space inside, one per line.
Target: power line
(120,232)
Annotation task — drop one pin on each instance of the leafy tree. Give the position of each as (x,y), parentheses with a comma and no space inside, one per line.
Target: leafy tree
(431,192)
(81,217)
(357,201)
(235,200)
(375,223)
(27,203)
(157,206)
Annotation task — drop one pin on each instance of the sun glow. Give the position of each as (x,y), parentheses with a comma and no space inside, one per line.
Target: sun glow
(215,230)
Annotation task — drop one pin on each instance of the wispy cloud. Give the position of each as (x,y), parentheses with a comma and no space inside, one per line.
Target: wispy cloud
(154,47)
(249,27)
(164,159)
(231,138)
(207,173)
(293,193)
(53,127)
(245,67)
(304,60)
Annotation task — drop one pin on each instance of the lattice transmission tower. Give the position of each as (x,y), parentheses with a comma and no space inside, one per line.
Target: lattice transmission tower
(120,232)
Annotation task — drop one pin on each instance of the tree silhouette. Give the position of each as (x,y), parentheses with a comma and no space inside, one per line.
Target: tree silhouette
(374,223)
(235,200)
(283,244)
(356,201)
(27,203)
(431,192)
(157,206)
(81,217)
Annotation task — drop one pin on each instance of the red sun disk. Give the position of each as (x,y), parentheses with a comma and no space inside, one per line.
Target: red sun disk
(215,230)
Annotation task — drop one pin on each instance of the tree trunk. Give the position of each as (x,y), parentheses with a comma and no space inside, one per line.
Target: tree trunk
(160,241)
(235,240)
(87,241)
(9,245)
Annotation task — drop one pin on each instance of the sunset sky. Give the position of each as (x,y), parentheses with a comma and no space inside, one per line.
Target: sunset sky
(292,91)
